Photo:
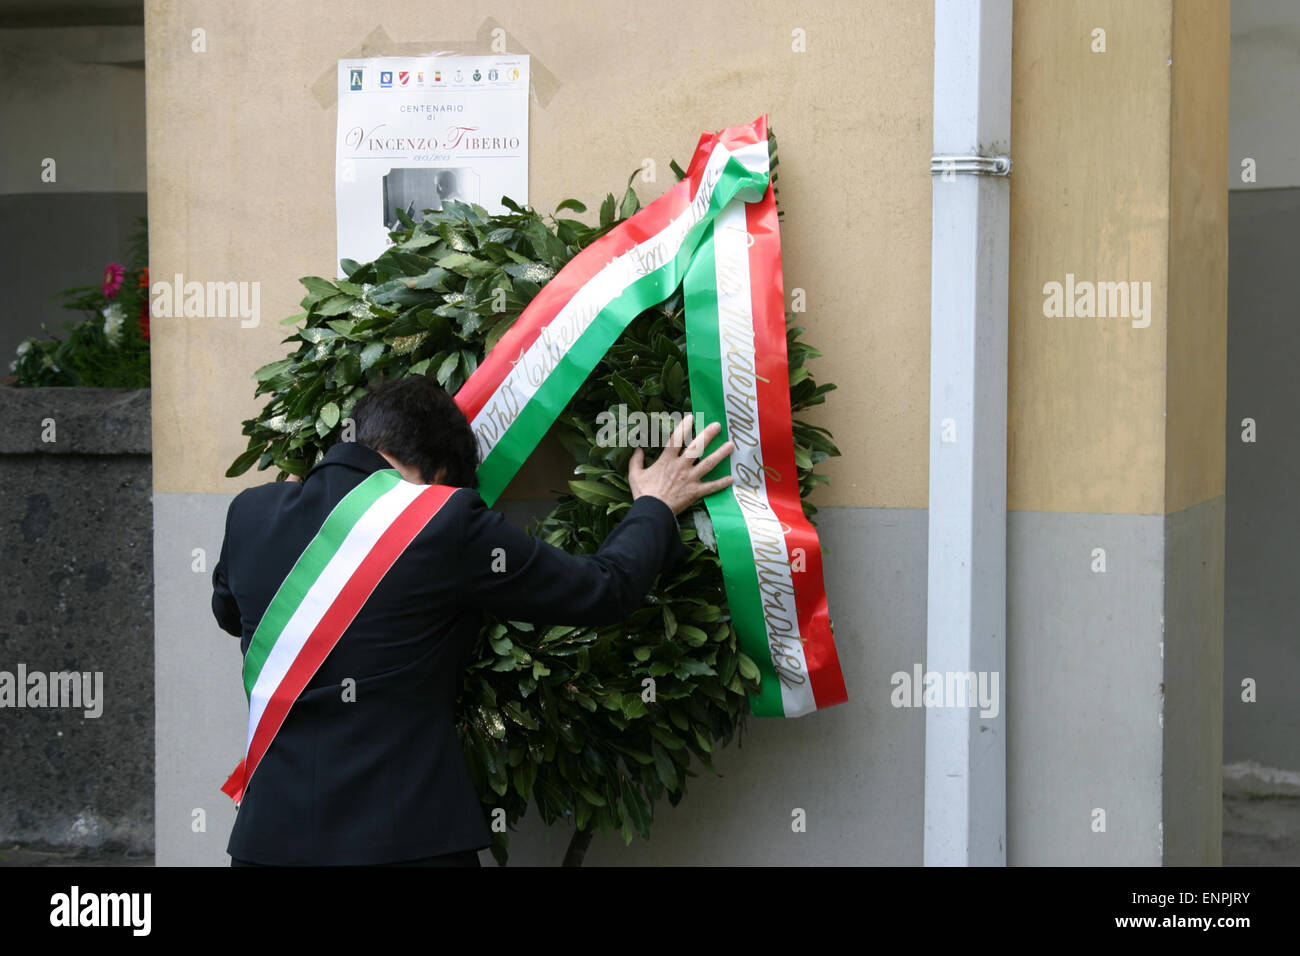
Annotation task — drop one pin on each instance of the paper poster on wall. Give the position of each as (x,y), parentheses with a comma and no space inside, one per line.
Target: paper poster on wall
(414,132)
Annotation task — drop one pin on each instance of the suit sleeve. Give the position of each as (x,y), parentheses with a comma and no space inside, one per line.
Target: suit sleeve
(528,579)
(224,608)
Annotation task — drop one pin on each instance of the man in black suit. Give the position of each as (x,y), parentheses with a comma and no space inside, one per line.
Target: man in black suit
(367,767)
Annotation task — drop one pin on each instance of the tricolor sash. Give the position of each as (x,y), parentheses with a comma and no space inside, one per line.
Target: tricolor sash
(330,582)
(715,234)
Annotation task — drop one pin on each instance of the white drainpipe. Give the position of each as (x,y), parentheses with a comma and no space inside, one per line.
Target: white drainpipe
(966,751)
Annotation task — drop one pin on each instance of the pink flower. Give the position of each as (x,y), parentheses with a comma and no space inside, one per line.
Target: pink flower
(113,274)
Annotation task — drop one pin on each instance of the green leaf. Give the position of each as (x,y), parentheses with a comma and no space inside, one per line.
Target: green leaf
(607,210)
(447,367)
(336,306)
(555,633)
(244,462)
(693,636)
(535,272)
(519,715)
(275,368)
(371,353)
(596,493)
(674,378)
(464,264)
(435,278)
(707,613)
(689,666)
(570,204)
(748,669)
(665,769)
(318,287)
(670,622)
(630,204)
(420,240)
(329,414)
(636,808)
(627,393)
(665,738)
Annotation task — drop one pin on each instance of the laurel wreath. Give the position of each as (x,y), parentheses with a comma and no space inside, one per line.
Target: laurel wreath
(557,716)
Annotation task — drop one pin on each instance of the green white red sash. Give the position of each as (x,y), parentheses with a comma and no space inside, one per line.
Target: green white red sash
(360,540)
(716,234)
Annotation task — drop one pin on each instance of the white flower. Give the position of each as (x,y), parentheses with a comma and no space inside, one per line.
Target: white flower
(113,318)
(25,346)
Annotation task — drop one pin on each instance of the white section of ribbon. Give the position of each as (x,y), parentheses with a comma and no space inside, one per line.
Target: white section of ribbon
(541,358)
(740,391)
(323,591)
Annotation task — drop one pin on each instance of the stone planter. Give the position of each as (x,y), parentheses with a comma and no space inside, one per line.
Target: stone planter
(76,533)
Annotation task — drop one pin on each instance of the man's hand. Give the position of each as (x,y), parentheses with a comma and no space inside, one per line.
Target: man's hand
(675,478)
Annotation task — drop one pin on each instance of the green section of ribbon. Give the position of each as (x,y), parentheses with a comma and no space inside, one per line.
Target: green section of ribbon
(563,382)
(309,566)
(735,549)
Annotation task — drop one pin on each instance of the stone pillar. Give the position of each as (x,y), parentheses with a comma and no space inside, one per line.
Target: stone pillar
(1115,451)
(76,771)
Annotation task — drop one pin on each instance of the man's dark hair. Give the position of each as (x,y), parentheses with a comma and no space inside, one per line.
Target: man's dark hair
(417,422)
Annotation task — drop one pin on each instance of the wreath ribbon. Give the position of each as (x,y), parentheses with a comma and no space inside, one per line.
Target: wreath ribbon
(715,234)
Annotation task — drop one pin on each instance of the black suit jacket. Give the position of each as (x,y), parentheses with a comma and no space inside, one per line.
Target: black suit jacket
(383,778)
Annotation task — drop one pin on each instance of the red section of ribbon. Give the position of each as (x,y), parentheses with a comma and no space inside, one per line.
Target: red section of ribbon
(341,612)
(234,786)
(772,363)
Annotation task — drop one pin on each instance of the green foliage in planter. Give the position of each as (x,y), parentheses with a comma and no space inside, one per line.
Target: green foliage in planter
(548,714)
(109,348)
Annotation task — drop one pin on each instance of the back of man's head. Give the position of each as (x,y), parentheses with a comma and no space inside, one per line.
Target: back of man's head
(415,421)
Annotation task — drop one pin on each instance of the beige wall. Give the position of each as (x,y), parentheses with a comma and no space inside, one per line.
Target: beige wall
(1089,196)
(1112,184)
(241,189)
(241,147)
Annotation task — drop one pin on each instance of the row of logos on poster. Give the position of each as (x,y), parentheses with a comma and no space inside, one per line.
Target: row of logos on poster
(417,79)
